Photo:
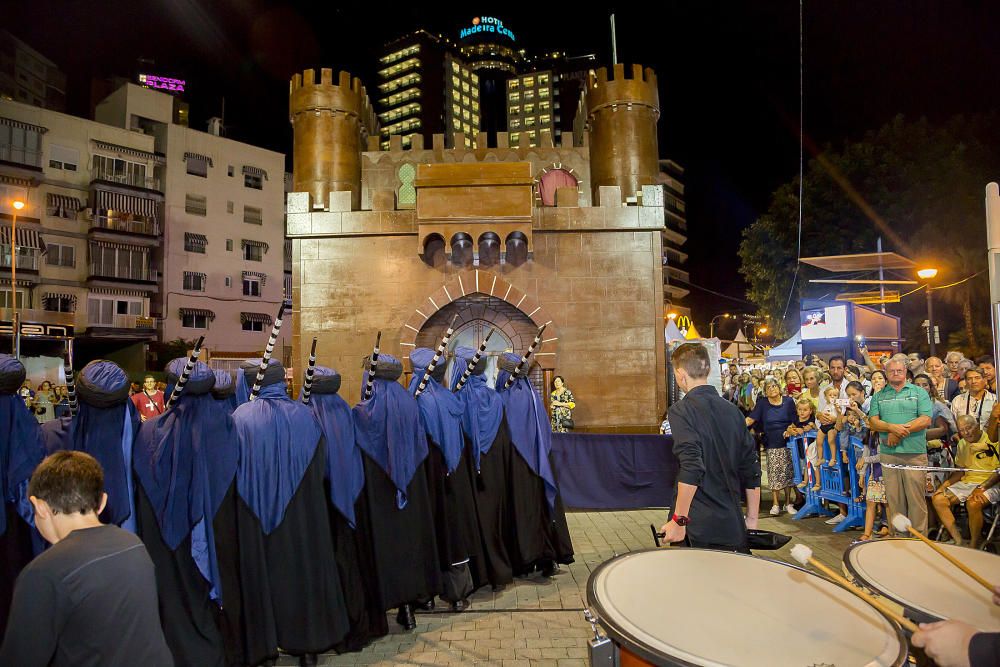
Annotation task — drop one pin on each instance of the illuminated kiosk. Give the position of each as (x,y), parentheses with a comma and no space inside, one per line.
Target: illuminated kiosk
(832,327)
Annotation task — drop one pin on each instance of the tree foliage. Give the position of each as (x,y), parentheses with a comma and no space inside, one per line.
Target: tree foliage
(919,186)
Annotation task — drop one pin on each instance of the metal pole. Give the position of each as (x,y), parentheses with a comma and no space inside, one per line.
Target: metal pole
(13,286)
(930,321)
(614,42)
(881,273)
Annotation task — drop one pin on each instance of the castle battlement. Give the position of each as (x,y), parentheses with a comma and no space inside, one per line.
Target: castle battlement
(347,96)
(633,86)
(482,143)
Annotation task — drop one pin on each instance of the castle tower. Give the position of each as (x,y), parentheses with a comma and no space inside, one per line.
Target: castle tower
(330,123)
(621,116)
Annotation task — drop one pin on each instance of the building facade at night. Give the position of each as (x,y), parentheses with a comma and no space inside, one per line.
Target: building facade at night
(570,236)
(222,257)
(29,77)
(88,237)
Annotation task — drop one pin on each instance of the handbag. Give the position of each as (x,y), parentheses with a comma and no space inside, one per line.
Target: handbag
(568,423)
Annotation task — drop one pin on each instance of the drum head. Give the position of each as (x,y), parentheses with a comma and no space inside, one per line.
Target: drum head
(709,608)
(909,572)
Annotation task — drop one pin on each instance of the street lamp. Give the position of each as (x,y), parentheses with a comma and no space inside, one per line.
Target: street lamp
(16,338)
(711,324)
(760,332)
(671,315)
(928,275)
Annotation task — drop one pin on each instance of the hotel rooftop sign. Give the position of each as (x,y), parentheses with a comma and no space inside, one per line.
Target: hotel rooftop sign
(164,83)
(486,24)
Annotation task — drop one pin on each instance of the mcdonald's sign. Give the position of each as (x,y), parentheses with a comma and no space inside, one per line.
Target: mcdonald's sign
(684,323)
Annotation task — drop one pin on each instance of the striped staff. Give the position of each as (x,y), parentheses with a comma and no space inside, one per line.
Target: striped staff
(437,357)
(268,351)
(70,380)
(524,359)
(307,382)
(372,365)
(472,362)
(185,374)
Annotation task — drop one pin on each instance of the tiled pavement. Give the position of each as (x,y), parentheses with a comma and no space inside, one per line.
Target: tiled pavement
(539,622)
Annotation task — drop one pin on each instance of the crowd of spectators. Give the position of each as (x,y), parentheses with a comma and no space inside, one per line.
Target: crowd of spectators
(907,413)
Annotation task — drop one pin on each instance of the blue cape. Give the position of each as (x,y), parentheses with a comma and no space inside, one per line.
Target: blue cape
(185,460)
(387,428)
(242,388)
(530,429)
(223,380)
(277,439)
(483,407)
(106,433)
(21,448)
(344,467)
(440,410)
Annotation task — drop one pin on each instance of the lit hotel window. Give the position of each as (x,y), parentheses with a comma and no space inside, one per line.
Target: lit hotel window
(515,123)
(515,97)
(529,121)
(475,105)
(529,95)
(475,80)
(529,82)
(514,139)
(515,110)
(543,79)
(465,100)
(465,86)
(457,110)
(529,108)
(543,106)
(455,83)
(544,92)
(544,120)
(454,67)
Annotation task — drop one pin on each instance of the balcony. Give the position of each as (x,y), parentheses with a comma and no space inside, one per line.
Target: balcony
(132,180)
(27,259)
(141,322)
(21,156)
(141,274)
(126,225)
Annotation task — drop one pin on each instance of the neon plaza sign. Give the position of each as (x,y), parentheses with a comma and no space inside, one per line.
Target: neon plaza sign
(482,24)
(164,83)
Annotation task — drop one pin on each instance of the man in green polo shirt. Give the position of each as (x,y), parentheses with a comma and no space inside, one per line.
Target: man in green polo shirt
(900,413)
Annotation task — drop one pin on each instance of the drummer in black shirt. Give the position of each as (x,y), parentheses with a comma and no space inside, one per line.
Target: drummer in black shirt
(717,457)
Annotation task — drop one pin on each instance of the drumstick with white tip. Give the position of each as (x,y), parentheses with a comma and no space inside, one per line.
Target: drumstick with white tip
(903,524)
(804,555)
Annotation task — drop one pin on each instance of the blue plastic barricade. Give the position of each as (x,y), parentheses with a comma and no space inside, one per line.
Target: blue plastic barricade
(838,482)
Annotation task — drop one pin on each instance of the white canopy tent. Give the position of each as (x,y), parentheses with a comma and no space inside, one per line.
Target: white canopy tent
(790,350)
(733,350)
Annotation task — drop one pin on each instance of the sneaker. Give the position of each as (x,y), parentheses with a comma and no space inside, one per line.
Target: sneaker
(790,509)
(775,510)
(833,521)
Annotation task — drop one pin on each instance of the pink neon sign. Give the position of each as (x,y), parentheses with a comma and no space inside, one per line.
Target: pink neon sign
(165,83)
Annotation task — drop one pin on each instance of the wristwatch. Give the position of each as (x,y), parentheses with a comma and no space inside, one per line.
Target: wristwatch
(680,520)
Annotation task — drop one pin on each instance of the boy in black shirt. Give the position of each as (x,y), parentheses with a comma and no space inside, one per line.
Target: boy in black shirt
(90,600)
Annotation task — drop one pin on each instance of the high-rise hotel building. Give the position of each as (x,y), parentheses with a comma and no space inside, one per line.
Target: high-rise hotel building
(425,88)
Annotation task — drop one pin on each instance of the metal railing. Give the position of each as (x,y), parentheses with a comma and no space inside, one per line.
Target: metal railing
(20,155)
(148,182)
(133,226)
(27,258)
(126,322)
(143,273)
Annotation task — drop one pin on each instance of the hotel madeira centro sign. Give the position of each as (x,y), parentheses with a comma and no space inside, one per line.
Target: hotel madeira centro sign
(486,24)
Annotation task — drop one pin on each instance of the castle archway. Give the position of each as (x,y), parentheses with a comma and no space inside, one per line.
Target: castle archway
(483,300)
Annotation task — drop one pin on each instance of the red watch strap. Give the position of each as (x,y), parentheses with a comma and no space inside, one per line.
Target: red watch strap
(680,520)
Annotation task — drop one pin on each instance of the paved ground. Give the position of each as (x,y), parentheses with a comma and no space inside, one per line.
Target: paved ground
(539,622)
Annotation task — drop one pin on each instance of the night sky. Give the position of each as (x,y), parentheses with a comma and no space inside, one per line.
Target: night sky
(728,76)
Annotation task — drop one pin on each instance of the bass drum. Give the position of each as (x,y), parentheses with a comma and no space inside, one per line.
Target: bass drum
(711,608)
(927,586)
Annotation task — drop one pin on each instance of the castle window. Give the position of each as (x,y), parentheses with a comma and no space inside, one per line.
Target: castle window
(407,194)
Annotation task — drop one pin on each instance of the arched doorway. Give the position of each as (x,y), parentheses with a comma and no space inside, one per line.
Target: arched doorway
(483,301)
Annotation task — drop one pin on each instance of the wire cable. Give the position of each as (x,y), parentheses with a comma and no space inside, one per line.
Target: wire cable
(798,245)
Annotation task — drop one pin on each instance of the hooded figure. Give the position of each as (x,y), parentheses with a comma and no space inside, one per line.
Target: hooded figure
(488,441)
(292,595)
(449,481)
(539,520)
(224,391)
(345,474)
(185,470)
(20,451)
(104,427)
(388,432)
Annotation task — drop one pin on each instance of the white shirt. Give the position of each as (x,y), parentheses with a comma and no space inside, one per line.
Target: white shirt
(964,404)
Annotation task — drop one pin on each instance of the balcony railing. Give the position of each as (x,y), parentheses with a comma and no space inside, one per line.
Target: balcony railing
(27,258)
(142,322)
(133,226)
(141,273)
(133,180)
(20,155)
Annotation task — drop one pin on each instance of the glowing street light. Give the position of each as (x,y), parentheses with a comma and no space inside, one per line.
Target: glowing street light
(18,204)
(671,315)
(927,274)
(711,323)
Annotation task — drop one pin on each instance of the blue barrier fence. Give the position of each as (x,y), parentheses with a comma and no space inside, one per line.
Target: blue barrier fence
(838,483)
